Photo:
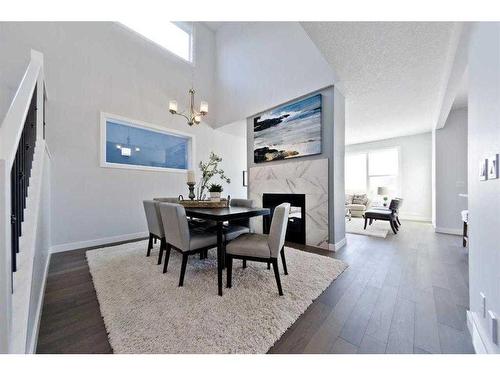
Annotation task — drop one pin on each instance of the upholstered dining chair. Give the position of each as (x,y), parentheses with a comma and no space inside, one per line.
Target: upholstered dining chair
(192,222)
(167,199)
(155,226)
(236,228)
(261,248)
(179,236)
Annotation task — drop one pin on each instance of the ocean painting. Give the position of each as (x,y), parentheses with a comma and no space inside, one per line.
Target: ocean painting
(290,131)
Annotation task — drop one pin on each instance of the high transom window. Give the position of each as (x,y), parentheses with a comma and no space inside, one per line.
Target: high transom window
(177,37)
(132,144)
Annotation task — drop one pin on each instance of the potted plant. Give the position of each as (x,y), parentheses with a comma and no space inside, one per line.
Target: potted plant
(215,190)
(209,170)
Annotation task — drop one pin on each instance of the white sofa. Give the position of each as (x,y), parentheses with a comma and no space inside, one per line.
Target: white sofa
(356,209)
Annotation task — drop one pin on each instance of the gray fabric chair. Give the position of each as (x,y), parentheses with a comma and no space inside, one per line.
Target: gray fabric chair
(192,222)
(181,237)
(167,200)
(155,226)
(236,228)
(262,248)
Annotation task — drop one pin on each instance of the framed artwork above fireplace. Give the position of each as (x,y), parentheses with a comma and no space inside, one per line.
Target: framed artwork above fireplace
(289,131)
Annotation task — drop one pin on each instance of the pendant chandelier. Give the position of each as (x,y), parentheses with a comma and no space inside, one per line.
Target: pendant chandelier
(194,116)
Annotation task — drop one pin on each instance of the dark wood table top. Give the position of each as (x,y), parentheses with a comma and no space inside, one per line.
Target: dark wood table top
(228,213)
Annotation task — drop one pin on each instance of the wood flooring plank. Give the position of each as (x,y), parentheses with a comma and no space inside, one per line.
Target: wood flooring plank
(298,336)
(343,347)
(325,337)
(371,345)
(448,312)
(355,325)
(402,330)
(426,323)
(380,321)
(454,341)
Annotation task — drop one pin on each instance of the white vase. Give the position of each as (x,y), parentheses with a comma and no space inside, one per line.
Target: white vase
(215,196)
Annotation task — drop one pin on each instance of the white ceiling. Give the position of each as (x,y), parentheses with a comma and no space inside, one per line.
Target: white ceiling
(393,74)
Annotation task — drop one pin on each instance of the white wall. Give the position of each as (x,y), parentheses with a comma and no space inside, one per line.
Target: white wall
(263,64)
(484,196)
(93,67)
(451,172)
(338,199)
(415,172)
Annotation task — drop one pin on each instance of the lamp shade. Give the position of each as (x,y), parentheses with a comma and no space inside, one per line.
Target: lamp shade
(382,190)
(172,106)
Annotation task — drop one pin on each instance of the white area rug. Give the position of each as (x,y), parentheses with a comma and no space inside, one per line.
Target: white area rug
(377,229)
(146,312)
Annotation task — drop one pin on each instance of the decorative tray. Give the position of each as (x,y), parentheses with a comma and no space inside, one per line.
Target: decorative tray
(205,204)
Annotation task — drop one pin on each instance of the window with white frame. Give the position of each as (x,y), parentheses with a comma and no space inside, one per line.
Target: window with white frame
(366,171)
(133,144)
(177,37)
(355,173)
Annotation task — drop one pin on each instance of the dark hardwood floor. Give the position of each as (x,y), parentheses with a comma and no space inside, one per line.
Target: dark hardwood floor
(407,293)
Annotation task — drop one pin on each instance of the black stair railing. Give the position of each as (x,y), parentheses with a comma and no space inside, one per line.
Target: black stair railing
(20,176)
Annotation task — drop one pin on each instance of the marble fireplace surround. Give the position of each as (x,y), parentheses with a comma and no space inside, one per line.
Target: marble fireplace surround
(309,177)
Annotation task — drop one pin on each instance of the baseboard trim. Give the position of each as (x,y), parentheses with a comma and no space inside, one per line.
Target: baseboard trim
(477,341)
(336,246)
(38,316)
(454,231)
(340,244)
(96,242)
(415,218)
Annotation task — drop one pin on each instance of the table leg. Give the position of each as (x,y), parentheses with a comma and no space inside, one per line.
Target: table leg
(220,256)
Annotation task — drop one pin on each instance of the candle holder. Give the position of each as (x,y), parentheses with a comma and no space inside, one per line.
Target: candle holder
(191,190)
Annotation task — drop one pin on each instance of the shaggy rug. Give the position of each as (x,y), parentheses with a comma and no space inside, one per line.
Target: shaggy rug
(377,229)
(146,312)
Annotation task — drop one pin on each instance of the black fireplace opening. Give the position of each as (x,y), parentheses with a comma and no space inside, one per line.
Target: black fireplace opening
(296,230)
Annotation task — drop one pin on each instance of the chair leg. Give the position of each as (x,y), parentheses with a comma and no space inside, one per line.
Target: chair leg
(277,275)
(393,227)
(150,244)
(283,260)
(366,221)
(229,271)
(167,257)
(155,241)
(397,219)
(162,246)
(183,268)
(268,265)
(371,221)
(244,263)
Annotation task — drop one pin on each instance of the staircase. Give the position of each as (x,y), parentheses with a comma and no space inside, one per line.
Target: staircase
(24,164)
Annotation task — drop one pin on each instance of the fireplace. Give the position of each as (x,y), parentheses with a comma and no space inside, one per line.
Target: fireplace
(296,230)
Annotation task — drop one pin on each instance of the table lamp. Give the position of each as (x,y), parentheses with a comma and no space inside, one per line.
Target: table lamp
(383,191)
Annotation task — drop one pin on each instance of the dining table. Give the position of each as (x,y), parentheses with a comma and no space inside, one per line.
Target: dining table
(219,216)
